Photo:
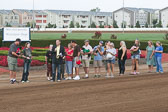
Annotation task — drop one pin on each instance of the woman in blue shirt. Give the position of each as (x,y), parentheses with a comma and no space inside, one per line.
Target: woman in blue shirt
(158,56)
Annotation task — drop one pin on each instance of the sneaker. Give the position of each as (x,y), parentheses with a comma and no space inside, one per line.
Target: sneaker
(27,81)
(137,73)
(86,76)
(107,76)
(68,78)
(63,79)
(14,80)
(76,78)
(58,80)
(23,81)
(52,80)
(48,78)
(161,72)
(11,82)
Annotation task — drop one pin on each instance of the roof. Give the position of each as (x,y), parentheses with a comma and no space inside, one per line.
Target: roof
(145,9)
(164,9)
(7,12)
(69,12)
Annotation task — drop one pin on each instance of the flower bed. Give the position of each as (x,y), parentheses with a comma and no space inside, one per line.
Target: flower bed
(4,62)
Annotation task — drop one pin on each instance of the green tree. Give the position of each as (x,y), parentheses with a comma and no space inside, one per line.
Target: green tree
(159,25)
(71,25)
(28,24)
(137,25)
(97,9)
(8,25)
(54,26)
(154,23)
(93,25)
(146,25)
(77,25)
(115,24)
(123,25)
(101,26)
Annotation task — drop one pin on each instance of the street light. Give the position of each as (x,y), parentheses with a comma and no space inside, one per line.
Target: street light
(33,17)
(123,17)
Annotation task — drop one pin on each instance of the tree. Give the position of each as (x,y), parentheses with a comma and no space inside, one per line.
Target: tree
(115,24)
(101,26)
(93,25)
(28,24)
(154,23)
(71,25)
(123,25)
(97,9)
(77,25)
(8,25)
(146,25)
(137,25)
(54,26)
(50,25)
(159,25)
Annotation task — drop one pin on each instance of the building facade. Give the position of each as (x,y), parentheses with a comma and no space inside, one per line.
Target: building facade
(164,17)
(9,18)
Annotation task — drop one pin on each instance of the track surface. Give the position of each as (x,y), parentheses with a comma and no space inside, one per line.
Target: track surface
(146,93)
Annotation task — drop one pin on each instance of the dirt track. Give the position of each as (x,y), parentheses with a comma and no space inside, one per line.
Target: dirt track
(146,93)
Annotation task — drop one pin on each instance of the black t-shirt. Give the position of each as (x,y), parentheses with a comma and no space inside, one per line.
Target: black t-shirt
(120,52)
(49,56)
(76,51)
(13,48)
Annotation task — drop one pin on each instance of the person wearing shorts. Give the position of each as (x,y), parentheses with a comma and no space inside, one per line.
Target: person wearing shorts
(97,63)
(135,56)
(76,58)
(12,59)
(110,56)
(86,57)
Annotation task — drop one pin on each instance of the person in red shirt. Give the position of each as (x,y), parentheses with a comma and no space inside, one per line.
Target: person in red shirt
(69,61)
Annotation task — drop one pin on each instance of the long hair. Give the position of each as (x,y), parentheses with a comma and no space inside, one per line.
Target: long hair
(26,44)
(123,45)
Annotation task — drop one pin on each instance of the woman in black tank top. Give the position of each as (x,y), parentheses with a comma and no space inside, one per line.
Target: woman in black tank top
(122,57)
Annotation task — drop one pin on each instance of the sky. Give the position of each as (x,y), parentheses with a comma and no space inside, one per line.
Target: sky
(82,5)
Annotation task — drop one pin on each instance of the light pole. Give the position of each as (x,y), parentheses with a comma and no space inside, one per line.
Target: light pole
(33,17)
(123,17)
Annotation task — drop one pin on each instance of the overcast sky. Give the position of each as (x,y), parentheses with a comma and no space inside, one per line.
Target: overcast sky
(85,5)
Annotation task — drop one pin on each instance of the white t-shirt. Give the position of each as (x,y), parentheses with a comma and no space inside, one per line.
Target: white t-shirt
(84,57)
(113,51)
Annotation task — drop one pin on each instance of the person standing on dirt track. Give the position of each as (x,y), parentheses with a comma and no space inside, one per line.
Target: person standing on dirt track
(76,59)
(86,57)
(58,54)
(98,57)
(12,59)
(158,56)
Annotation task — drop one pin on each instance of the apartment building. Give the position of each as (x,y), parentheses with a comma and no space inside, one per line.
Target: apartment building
(164,17)
(63,18)
(132,15)
(25,16)
(40,19)
(8,17)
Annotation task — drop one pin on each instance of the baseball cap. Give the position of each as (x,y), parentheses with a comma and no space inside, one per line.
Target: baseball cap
(101,42)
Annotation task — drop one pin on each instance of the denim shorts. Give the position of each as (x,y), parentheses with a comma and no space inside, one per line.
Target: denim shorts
(111,61)
(135,56)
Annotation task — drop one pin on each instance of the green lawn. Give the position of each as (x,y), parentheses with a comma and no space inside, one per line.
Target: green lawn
(121,36)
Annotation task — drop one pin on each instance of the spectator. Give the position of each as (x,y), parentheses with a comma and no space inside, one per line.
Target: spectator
(110,56)
(76,58)
(86,57)
(58,54)
(135,56)
(98,53)
(12,59)
(27,55)
(150,58)
(158,56)
(69,61)
(122,56)
(48,59)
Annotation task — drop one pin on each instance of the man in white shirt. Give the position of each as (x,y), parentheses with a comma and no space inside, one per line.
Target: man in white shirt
(86,57)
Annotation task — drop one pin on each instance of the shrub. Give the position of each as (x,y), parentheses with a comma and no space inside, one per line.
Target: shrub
(64,36)
(166,36)
(97,35)
(113,36)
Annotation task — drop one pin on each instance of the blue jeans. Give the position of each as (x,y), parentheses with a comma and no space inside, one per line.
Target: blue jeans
(121,64)
(54,68)
(26,70)
(159,67)
(69,67)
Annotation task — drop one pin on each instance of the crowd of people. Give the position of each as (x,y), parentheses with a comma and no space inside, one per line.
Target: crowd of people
(60,59)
